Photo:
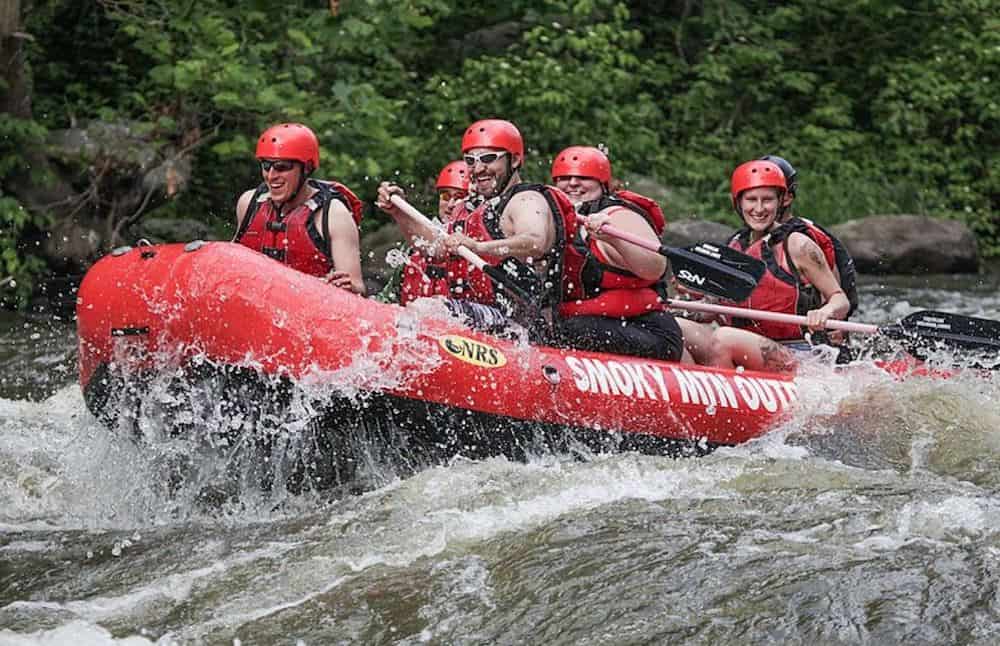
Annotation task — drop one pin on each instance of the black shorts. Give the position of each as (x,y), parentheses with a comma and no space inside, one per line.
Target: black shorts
(655,335)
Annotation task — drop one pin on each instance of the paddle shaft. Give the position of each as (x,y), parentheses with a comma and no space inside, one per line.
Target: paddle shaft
(412,211)
(627,237)
(511,274)
(645,243)
(777,317)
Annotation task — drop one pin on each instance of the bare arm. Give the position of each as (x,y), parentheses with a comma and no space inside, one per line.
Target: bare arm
(242,205)
(527,223)
(345,249)
(809,258)
(642,262)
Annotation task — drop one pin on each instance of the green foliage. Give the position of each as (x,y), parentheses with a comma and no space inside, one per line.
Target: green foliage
(565,83)
(18,267)
(884,105)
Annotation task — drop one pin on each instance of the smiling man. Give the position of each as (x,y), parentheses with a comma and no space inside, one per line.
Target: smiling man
(530,222)
(307,224)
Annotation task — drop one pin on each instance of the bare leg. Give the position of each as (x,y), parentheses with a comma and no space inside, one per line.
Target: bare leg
(699,341)
(736,347)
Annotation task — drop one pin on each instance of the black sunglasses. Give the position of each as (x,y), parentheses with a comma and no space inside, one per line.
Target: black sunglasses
(280,165)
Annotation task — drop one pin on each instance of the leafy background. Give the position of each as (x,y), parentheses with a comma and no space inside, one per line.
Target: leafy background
(884,106)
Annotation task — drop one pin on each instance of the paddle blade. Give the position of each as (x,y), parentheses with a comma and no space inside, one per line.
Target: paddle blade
(716,270)
(955,330)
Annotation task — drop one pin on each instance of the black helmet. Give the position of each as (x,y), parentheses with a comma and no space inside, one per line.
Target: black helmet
(791,175)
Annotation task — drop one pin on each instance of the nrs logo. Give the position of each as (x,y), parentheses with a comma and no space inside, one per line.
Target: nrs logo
(684,274)
(472,351)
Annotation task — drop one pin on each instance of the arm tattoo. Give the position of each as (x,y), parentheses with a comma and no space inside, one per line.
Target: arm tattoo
(815,256)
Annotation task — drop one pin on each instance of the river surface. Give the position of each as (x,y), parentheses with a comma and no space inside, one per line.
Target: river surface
(873,517)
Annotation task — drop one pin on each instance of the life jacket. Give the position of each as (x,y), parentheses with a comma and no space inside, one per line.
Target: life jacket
(484,224)
(780,289)
(423,277)
(292,238)
(592,286)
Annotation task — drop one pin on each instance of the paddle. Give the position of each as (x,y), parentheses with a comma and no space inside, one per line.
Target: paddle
(512,275)
(968,332)
(965,332)
(704,267)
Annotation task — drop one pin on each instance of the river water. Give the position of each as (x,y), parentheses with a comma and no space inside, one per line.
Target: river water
(873,517)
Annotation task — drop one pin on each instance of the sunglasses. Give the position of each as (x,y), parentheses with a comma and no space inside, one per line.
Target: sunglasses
(279,165)
(448,196)
(484,158)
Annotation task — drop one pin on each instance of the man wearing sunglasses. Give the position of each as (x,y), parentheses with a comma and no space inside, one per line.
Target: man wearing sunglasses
(307,224)
(528,222)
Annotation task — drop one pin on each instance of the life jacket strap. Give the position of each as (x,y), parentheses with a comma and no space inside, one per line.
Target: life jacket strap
(273,252)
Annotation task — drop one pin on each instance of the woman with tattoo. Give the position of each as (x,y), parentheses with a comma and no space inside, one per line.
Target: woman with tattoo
(799,277)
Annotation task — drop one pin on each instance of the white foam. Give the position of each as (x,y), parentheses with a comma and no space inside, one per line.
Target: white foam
(75,633)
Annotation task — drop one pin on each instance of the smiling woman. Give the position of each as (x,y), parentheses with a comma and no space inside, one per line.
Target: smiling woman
(799,279)
(615,289)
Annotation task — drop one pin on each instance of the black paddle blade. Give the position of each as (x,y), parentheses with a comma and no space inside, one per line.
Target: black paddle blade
(966,332)
(516,278)
(716,270)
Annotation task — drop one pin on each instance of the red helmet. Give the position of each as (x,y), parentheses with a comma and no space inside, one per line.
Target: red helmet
(756,174)
(290,141)
(582,161)
(494,133)
(454,175)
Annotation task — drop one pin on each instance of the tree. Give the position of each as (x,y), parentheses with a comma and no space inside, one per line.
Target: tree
(127,108)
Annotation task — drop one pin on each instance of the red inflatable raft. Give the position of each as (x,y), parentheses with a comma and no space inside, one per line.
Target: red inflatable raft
(151,308)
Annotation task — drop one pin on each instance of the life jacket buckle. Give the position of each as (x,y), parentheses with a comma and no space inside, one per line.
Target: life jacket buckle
(277,227)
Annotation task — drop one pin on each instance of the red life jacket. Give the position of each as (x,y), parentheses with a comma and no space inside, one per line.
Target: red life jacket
(648,208)
(292,238)
(484,224)
(782,288)
(593,287)
(423,277)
